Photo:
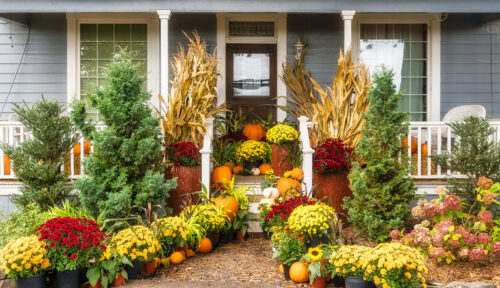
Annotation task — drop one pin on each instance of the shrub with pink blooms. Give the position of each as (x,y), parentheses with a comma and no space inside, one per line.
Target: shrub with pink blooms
(449,230)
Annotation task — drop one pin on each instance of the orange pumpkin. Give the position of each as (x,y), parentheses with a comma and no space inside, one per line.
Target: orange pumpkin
(176,258)
(298,272)
(205,246)
(190,253)
(86,148)
(229,204)
(297,173)
(288,185)
(222,174)
(6,165)
(254,132)
(230,165)
(425,149)
(237,169)
(414,144)
(264,168)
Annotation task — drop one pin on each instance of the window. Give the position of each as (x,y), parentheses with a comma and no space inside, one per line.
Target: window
(402,48)
(263,29)
(98,44)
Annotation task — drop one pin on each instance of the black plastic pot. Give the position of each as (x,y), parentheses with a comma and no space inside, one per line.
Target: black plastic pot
(357,282)
(227,236)
(338,281)
(286,272)
(36,281)
(68,278)
(211,236)
(135,271)
(317,240)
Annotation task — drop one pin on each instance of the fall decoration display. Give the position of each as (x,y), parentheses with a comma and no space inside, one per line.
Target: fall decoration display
(184,154)
(237,169)
(176,258)
(299,273)
(171,232)
(188,182)
(425,149)
(254,132)
(297,173)
(270,192)
(210,217)
(205,246)
(288,185)
(255,171)
(279,156)
(264,168)
(282,210)
(281,133)
(222,174)
(331,156)
(229,204)
(414,144)
(252,151)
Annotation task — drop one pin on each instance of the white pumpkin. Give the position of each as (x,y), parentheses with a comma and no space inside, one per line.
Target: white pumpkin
(271,192)
(266,202)
(255,171)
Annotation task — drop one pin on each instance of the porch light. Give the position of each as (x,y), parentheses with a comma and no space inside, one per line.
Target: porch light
(299,46)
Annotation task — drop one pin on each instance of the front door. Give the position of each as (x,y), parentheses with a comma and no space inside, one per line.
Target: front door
(251,79)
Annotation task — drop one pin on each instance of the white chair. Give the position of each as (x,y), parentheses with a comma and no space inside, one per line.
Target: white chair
(460,113)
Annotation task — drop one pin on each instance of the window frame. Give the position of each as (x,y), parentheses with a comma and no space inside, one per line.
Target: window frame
(432,20)
(74,21)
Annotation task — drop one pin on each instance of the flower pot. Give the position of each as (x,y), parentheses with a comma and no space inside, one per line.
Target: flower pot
(135,271)
(148,268)
(333,188)
(338,281)
(278,156)
(356,282)
(119,280)
(251,165)
(318,282)
(97,285)
(227,236)
(68,278)
(188,181)
(211,235)
(240,236)
(316,240)
(217,238)
(36,281)
(286,272)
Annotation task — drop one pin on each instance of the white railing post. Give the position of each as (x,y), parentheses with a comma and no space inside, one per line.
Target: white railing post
(307,154)
(205,152)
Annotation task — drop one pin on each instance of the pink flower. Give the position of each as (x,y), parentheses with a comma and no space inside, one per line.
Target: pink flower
(477,254)
(441,208)
(395,234)
(460,230)
(436,252)
(463,252)
(453,202)
(483,238)
(454,243)
(469,239)
(430,209)
(496,248)
(438,238)
(485,216)
(444,225)
(484,183)
(421,237)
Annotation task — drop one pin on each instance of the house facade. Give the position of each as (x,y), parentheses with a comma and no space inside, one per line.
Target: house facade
(444,53)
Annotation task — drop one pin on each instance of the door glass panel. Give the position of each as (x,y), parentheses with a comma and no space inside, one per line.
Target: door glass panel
(251,74)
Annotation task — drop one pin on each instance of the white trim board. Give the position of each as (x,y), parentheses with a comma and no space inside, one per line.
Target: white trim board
(73,51)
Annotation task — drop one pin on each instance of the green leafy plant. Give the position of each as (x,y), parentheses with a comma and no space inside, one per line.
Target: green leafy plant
(38,161)
(126,167)
(289,247)
(382,189)
(107,268)
(232,123)
(69,209)
(21,222)
(317,259)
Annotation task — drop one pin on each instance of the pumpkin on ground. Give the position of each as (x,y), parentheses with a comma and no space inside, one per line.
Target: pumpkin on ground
(286,185)
(264,168)
(205,246)
(254,132)
(298,272)
(237,169)
(190,253)
(414,144)
(270,192)
(230,165)
(297,173)
(222,174)
(176,258)
(229,204)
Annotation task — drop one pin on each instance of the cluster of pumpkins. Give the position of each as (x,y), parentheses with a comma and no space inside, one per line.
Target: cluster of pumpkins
(424,148)
(290,182)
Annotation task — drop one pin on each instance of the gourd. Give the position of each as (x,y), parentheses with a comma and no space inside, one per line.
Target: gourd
(190,253)
(266,202)
(286,185)
(298,272)
(255,171)
(237,170)
(414,144)
(271,192)
(229,204)
(264,168)
(254,132)
(205,246)
(297,173)
(176,258)
(222,174)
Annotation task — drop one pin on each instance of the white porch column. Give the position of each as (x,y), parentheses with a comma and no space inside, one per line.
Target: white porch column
(164,18)
(347,16)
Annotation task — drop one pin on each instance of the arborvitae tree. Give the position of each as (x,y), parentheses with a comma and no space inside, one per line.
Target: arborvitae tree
(473,155)
(382,189)
(38,161)
(126,167)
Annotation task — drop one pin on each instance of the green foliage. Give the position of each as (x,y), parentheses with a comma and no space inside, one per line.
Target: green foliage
(106,270)
(126,167)
(474,155)
(38,161)
(22,222)
(288,248)
(382,191)
(69,209)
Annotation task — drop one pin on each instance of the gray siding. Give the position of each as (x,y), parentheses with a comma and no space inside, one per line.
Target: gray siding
(43,67)
(324,34)
(5,206)
(470,62)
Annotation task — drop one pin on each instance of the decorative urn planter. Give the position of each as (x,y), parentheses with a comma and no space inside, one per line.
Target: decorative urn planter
(332,187)
(188,181)
(278,156)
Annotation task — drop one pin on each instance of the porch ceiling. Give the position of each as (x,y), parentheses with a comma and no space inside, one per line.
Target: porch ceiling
(290,6)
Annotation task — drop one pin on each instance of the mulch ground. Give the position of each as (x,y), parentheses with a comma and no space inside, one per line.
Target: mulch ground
(249,264)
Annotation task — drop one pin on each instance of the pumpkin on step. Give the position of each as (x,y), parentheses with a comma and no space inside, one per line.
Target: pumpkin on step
(298,272)
(254,132)
(222,174)
(270,192)
(264,168)
(229,204)
(414,144)
(297,173)
(255,171)
(237,169)
(230,165)
(286,185)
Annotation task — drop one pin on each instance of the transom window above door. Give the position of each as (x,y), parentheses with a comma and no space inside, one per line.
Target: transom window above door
(402,48)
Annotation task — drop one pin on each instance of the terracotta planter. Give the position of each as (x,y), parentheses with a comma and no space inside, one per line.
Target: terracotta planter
(280,166)
(318,282)
(97,285)
(217,238)
(188,181)
(119,280)
(148,268)
(334,188)
(240,236)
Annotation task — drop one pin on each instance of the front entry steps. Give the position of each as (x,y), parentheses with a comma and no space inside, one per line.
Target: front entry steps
(255,194)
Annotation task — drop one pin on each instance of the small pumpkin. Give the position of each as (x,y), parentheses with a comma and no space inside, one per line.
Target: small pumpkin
(230,165)
(222,174)
(414,144)
(237,169)
(297,173)
(176,258)
(286,185)
(425,149)
(255,171)
(86,148)
(229,204)
(205,246)
(254,132)
(271,192)
(190,253)
(299,273)
(266,202)
(264,168)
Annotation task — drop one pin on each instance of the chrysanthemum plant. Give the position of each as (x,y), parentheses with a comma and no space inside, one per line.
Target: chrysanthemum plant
(171,232)
(348,259)
(312,220)
(136,243)
(289,246)
(24,257)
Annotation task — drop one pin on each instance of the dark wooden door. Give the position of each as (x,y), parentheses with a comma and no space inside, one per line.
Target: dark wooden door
(251,79)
